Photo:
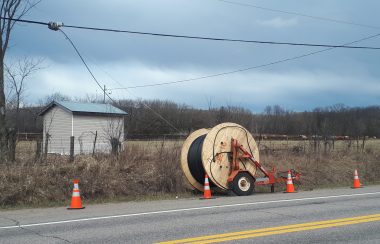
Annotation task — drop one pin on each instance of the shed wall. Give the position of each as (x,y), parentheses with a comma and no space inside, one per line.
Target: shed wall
(57,123)
(85,128)
(62,124)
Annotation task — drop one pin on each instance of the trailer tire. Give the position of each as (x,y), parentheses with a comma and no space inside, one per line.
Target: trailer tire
(243,184)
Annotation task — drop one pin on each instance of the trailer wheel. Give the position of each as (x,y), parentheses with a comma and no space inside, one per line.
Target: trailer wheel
(243,184)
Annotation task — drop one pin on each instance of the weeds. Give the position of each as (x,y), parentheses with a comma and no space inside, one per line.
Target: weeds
(150,170)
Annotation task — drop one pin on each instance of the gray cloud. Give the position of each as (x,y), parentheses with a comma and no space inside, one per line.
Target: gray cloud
(332,77)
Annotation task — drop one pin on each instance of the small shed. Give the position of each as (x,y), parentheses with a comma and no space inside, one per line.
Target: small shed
(90,126)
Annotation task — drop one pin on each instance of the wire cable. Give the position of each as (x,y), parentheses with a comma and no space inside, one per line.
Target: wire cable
(156,113)
(25,21)
(301,14)
(242,69)
(202,77)
(97,82)
(85,64)
(201,37)
(221,39)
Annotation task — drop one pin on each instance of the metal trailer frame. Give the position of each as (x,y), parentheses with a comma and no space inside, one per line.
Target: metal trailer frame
(239,153)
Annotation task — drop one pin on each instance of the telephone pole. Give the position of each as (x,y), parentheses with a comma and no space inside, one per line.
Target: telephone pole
(104,94)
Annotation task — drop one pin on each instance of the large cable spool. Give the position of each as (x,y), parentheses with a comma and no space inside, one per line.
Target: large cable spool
(209,151)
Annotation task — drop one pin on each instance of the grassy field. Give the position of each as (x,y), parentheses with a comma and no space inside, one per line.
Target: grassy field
(150,170)
(27,149)
(347,145)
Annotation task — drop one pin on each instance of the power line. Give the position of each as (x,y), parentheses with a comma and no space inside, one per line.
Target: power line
(143,103)
(221,39)
(53,26)
(25,21)
(156,113)
(243,69)
(104,89)
(301,14)
(56,26)
(199,37)
(85,64)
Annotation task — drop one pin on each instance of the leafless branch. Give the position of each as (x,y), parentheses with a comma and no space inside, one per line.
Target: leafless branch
(16,75)
(12,9)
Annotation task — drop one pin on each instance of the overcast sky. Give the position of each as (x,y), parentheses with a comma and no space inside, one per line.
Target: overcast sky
(119,60)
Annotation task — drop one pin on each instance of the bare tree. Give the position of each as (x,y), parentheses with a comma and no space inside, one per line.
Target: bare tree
(114,133)
(47,126)
(9,10)
(57,96)
(16,75)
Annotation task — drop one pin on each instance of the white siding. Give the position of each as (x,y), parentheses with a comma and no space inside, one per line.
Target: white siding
(86,126)
(57,122)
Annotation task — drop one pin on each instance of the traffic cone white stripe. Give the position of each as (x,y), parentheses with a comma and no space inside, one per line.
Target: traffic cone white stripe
(356,183)
(76,202)
(289,184)
(206,189)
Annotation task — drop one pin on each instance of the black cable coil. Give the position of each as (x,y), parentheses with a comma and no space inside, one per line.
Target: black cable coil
(194,159)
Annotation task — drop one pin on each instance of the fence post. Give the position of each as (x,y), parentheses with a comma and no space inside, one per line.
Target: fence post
(38,150)
(115,146)
(71,148)
(12,140)
(93,148)
(46,144)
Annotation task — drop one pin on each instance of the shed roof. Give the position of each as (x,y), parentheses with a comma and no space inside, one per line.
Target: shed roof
(85,108)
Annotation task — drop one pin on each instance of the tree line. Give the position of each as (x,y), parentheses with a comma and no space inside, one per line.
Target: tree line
(143,120)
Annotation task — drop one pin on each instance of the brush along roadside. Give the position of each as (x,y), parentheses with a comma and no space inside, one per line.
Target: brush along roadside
(148,171)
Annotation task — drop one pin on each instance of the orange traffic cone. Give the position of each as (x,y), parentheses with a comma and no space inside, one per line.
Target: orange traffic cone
(356,183)
(76,202)
(206,189)
(289,184)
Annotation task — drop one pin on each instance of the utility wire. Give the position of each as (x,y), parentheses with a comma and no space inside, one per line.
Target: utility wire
(221,39)
(243,69)
(156,113)
(143,103)
(55,26)
(301,14)
(94,78)
(85,64)
(202,77)
(200,37)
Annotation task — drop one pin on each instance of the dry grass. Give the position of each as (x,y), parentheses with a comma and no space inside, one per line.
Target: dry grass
(151,169)
(327,170)
(306,145)
(138,171)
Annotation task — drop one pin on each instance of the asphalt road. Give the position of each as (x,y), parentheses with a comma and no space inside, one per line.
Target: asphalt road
(321,216)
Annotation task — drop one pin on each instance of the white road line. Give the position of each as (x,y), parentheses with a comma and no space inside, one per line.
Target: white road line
(186,209)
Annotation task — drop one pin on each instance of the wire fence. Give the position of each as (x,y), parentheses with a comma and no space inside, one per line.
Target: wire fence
(30,144)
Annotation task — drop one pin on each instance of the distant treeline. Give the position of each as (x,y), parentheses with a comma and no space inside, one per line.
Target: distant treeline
(147,119)
(337,120)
